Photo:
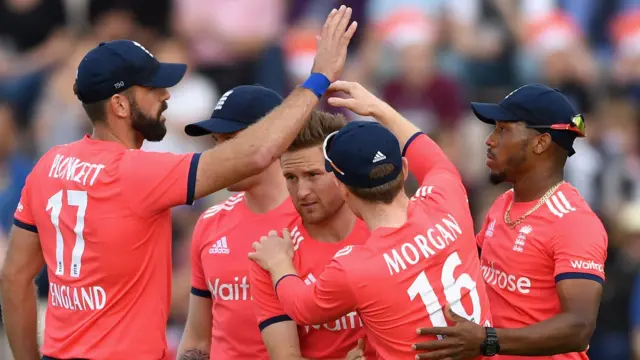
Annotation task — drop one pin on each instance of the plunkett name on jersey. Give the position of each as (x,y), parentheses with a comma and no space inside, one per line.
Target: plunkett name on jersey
(437,238)
(74,169)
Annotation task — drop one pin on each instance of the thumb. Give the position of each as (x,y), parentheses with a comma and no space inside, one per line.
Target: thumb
(452,316)
(361,344)
(286,235)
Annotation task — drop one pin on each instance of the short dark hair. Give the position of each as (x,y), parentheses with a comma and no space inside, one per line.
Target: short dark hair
(384,193)
(316,130)
(97,111)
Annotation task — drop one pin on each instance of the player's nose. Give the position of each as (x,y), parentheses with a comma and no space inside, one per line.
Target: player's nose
(164,94)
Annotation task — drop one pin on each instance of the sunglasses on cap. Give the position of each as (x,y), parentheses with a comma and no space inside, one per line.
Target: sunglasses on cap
(326,156)
(576,125)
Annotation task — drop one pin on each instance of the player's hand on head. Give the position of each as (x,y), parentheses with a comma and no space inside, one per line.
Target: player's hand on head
(333,42)
(461,341)
(357,353)
(273,249)
(357,98)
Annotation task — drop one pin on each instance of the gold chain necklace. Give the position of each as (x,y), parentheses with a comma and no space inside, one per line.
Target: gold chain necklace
(543,199)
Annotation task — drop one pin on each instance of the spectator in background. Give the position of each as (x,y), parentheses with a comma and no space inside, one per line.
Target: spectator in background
(58,116)
(625,31)
(233,42)
(33,38)
(419,90)
(146,21)
(111,20)
(14,168)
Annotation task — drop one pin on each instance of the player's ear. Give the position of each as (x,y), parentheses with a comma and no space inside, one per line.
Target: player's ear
(405,168)
(541,143)
(120,105)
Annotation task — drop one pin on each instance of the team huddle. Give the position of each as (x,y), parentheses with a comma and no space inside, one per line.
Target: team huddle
(320,254)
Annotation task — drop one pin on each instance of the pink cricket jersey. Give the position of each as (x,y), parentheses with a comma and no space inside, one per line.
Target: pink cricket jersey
(319,340)
(401,279)
(220,271)
(102,213)
(561,240)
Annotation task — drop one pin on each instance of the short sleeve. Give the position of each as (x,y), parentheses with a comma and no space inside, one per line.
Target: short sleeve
(23,216)
(266,304)
(580,251)
(198,281)
(154,182)
(440,182)
(326,300)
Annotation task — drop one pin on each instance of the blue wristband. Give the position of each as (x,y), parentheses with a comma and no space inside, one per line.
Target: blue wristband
(318,83)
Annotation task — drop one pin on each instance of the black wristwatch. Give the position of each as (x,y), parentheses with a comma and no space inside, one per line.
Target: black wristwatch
(490,346)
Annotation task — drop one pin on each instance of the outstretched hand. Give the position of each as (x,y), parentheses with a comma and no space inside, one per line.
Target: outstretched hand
(461,341)
(272,250)
(358,99)
(333,42)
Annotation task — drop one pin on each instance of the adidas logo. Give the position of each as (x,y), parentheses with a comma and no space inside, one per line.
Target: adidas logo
(220,247)
(379,157)
(310,279)
(222,100)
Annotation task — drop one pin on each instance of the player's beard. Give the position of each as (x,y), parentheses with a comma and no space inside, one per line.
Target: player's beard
(514,162)
(152,128)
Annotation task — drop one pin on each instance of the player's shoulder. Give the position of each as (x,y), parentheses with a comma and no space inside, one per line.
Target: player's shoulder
(224,209)
(567,206)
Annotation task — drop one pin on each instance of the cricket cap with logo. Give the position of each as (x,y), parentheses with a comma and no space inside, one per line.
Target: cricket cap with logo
(355,150)
(540,107)
(115,66)
(236,110)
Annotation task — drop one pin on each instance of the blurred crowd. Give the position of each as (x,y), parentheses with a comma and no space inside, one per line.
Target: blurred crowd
(427,58)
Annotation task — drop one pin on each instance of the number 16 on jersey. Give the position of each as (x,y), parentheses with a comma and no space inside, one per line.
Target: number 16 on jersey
(76,199)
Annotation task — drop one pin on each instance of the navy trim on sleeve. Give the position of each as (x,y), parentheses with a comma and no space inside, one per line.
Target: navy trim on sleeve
(275,287)
(25,226)
(274,320)
(191,181)
(578,275)
(413,137)
(201,293)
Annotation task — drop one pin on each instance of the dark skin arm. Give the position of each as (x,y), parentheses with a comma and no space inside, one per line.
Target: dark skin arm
(569,331)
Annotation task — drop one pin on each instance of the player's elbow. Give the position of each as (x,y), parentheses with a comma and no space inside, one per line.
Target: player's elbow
(582,330)
(7,278)
(262,158)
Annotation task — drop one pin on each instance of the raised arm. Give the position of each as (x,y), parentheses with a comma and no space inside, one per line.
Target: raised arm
(259,145)
(425,153)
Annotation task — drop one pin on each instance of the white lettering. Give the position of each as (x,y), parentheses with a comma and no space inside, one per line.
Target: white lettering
(238,290)
(437,237)
(86,298)
(74,169)
(349,321)
(502,280)
(587,265)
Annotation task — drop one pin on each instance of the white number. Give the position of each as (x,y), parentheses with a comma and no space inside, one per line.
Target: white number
(452,291)
(78,199)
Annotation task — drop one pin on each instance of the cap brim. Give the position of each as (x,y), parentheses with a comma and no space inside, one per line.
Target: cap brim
(214,126)
(490,113)
(168,75)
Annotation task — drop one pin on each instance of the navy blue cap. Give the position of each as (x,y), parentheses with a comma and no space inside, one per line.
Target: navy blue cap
(535,105)
(355,150)
(115,66)
(236,110)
